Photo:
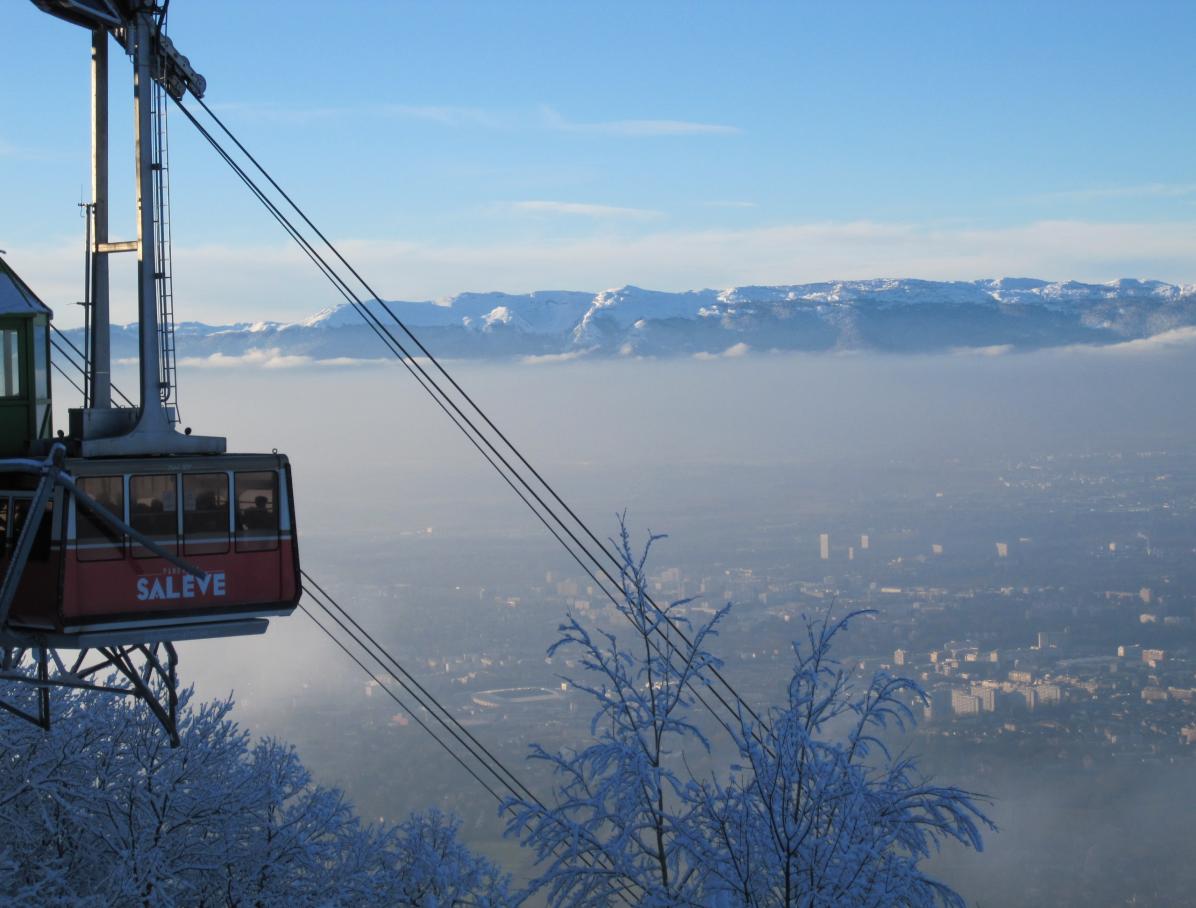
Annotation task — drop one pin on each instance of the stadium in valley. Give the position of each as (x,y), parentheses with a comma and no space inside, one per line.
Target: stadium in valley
(507,697)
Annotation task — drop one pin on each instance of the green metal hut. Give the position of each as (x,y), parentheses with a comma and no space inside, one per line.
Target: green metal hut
(25,413)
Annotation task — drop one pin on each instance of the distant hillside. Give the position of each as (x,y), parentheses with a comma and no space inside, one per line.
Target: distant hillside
(902,316)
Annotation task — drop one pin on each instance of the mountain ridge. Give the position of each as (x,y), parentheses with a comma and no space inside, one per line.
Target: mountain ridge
(903,315)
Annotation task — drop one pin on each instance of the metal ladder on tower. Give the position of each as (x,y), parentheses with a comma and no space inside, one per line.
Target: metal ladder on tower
(167,377)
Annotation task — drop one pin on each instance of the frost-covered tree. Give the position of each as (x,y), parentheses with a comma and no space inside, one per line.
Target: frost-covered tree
(437,870)
(813,818)
(624,814)
(101,811)
(815,811)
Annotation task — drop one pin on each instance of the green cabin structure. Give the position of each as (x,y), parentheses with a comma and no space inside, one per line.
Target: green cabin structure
(26,416)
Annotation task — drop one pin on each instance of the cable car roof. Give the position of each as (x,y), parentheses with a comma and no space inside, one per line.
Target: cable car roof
(15,296)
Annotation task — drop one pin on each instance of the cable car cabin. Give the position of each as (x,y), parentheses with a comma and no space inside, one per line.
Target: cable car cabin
(229,515)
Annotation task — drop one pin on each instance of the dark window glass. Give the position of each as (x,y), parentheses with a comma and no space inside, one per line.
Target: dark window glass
(45,531)
(153,510)
(95,539)
(41,369)
(40,550)
(11,372)
(257,511)
(3,527)
(205,513)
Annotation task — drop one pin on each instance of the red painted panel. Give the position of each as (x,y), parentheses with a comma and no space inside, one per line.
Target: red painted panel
(141,586)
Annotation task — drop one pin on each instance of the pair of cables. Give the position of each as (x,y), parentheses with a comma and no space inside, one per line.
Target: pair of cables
(598,560)
(348,635)
(68,351)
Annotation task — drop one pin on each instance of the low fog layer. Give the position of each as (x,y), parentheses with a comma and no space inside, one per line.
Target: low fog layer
(710,451)
(369,448)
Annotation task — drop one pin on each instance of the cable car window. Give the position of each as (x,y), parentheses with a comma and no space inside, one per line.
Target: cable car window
(3,527)
(94,539)
(45,532)
(153,510)
(205,513)
(257,511)
(40,550)
(41,369)
(10,363)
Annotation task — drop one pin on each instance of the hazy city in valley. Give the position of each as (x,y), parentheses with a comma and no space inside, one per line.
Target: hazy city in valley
(580,456)
(1022,526)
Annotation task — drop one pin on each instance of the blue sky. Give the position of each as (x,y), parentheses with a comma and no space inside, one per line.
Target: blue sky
(519,146)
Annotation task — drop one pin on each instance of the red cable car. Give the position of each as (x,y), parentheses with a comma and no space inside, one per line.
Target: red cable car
(228,515)
(125,534)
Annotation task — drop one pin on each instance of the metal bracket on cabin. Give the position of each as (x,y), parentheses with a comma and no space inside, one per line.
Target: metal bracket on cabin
(50,470)
(155,681)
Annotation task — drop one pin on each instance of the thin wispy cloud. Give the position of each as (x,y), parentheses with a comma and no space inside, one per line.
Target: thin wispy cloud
(1102,193)
(987,351)
(444,115)
(585,209)
(735,351)
(554,120)
(730,204)
(549,358)
(271,358)
(280,115)
(1176,339)
(220,280)
(462,116)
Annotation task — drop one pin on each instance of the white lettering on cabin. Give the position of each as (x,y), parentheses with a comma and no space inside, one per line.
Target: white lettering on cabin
(180,586)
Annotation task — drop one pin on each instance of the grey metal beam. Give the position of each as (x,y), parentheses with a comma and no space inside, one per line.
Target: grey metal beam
(153,417)
(119,246)
(129,636)
(33,521)
(100,379)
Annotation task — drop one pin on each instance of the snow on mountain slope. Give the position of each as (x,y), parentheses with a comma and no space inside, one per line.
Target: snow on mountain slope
(895,315)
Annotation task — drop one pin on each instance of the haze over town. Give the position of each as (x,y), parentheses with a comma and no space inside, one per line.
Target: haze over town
(1002,498)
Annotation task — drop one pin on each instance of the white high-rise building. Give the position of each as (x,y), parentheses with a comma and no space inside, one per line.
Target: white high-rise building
(964,704)
(864,542)
(824,546)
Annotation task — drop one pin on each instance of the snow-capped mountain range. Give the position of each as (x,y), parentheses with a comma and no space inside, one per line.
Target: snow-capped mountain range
(909,316)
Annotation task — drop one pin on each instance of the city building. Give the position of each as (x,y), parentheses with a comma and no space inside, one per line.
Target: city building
(964,704)
(987,697)
(1154,657)
(1049,694)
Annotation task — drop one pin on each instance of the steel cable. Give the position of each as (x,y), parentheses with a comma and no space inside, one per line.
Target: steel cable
(429,384)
